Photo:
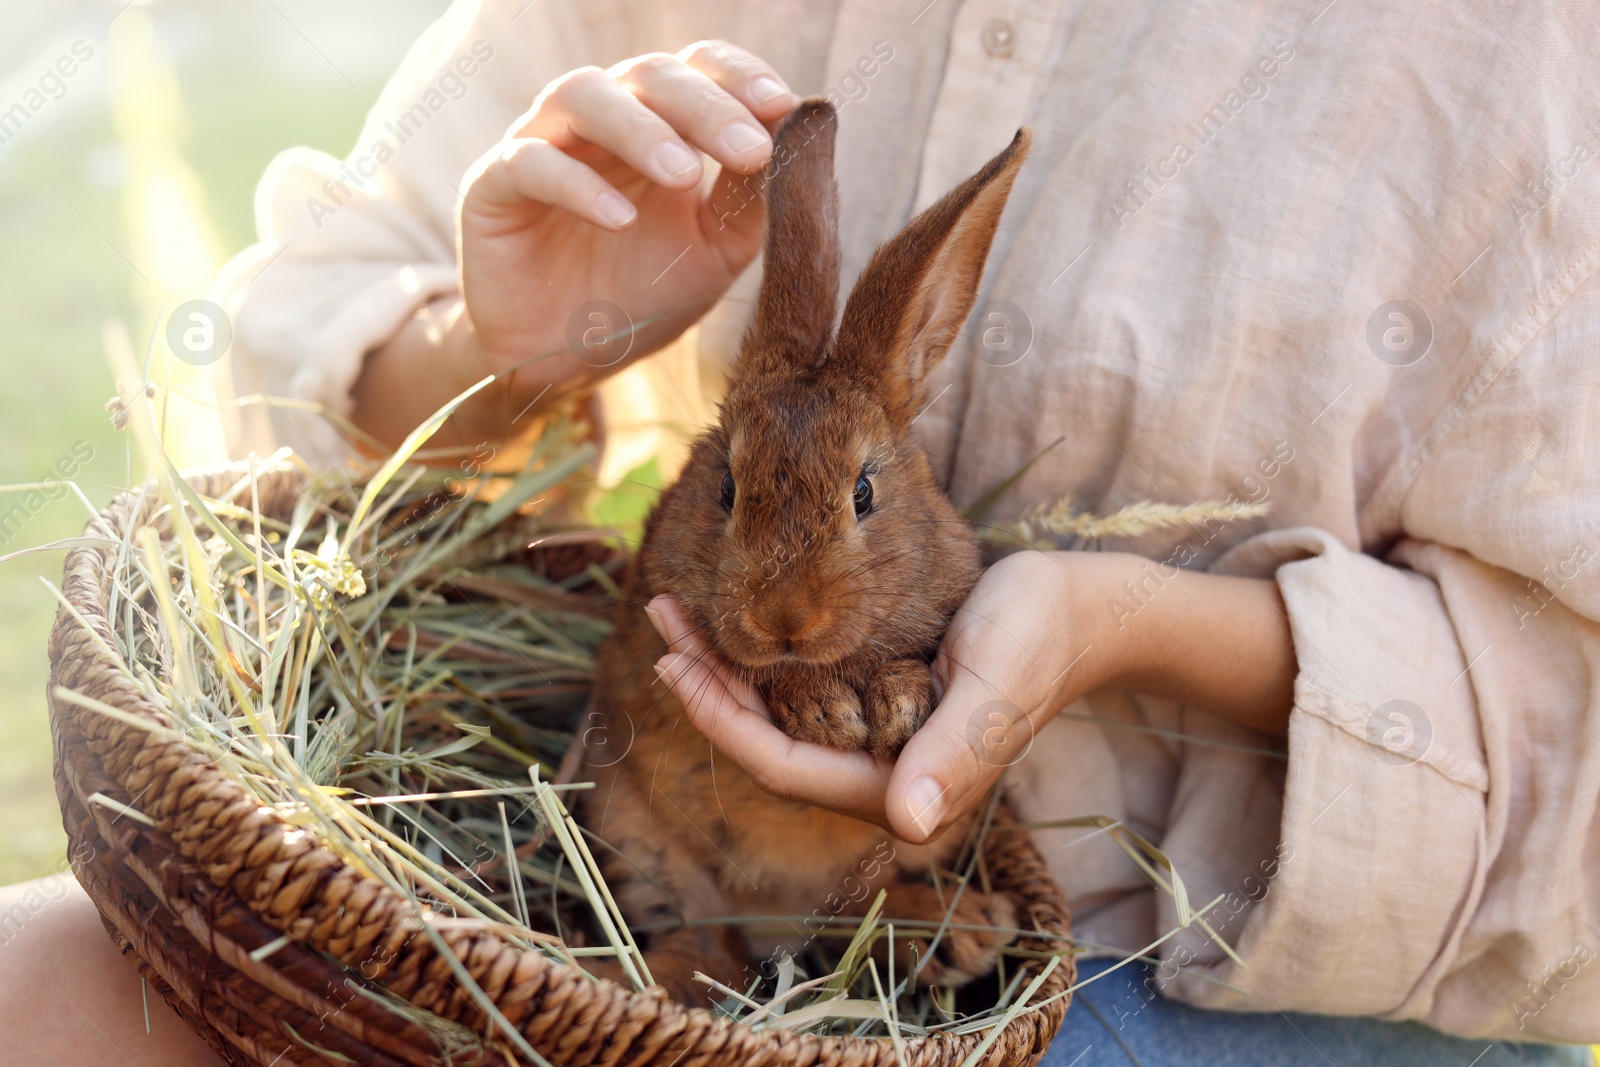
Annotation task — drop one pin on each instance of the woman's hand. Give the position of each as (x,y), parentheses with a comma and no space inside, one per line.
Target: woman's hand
(591,221)
(1038,631)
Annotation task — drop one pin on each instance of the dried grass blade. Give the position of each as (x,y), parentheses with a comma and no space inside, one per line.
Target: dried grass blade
(856,950)
(828,1009)
(125,717)
(775,1006)
(975,1057)
(414,440)
(513,870)
(481,999)
(56,546)
(185,680)
(889,1010)
(121,809)
(216,525)
(605,909)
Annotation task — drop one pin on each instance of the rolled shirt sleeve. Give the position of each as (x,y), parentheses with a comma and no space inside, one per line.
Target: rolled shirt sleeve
(1439,847)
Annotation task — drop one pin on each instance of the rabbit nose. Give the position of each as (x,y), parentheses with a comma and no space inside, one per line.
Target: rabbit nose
(789,622)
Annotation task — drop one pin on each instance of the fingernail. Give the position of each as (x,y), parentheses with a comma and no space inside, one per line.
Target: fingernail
(767,89)
(741,136)
(614,208)
(654,615)
(667,667)
(675,159)
(925,800)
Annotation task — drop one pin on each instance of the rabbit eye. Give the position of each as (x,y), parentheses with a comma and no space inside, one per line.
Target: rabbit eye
(863,497)
(727,491)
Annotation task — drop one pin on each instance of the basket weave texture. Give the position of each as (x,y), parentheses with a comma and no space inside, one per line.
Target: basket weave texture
(217,876)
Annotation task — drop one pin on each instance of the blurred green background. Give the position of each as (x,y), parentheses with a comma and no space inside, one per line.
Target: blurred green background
(121,194)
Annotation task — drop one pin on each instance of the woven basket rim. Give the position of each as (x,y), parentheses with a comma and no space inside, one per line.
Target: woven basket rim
(298,886)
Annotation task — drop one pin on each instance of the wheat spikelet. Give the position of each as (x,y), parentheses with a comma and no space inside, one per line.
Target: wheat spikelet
(1062,520)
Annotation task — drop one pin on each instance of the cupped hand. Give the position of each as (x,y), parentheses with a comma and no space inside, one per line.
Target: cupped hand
(596,197)
(1013,655)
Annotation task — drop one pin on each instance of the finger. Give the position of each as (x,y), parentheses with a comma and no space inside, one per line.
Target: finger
(699,109)
(667,616)
(587,106)
(849,782)
(952,761)
(751,80)
(702,689)
(940,673)
(535,170)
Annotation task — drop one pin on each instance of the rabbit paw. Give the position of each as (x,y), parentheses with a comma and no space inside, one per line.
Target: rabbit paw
(961,954)
(824,711)
(899,697)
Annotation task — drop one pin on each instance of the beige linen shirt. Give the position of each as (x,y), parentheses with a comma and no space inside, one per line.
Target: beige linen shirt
(1336,258)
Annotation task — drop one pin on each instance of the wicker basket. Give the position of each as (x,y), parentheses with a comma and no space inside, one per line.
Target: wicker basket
(215,877)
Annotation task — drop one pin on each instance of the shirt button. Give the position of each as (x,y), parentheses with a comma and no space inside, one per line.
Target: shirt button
(1000,38)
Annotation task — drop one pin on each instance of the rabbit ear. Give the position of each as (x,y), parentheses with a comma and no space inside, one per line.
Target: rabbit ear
(917,290)
(799,287)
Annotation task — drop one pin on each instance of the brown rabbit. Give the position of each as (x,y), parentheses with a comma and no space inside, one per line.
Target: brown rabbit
(809,543)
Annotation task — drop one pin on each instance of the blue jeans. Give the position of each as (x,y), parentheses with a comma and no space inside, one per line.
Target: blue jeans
(1120,1022)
